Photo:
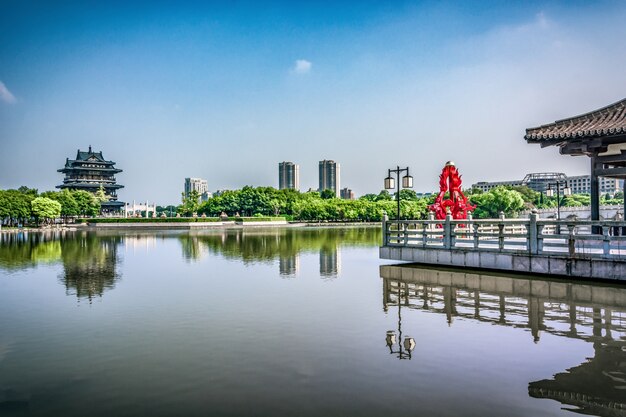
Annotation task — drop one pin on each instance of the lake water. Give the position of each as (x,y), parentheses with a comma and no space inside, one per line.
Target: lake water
(292,322)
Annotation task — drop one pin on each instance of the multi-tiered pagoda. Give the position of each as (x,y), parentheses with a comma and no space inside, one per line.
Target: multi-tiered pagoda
(90,171)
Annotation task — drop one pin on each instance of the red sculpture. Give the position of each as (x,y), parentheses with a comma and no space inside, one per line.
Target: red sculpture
(457,203)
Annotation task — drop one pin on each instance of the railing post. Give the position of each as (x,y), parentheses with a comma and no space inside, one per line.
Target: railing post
(385,232)
(405,228)
(447,235)
(424,234)
(476,242)
(571,247)
(533,244)
(501,231)
(540,238)
(606,240)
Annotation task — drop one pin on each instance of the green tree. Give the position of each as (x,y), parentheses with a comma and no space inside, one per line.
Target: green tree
(86,203)
(327,194)
(101,195)
(15,207)
(191,203)
(496,200)
(45,209)
(69,207)
(384,196)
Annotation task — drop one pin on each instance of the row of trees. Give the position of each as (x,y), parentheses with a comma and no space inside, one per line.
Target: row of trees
(25,204)
(268,201)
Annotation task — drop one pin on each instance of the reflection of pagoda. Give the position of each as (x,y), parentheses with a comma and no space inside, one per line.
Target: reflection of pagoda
(90,171)
(89,265)
(596,387)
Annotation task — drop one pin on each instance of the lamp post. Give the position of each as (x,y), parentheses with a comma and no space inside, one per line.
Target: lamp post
(391,183)
(559,199)
(404,347)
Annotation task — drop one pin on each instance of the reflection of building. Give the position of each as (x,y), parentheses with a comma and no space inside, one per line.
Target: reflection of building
(596,314)
(330,262)
(329,176)
(289,265)
(288,176)
(199,185)
(90,264)
(91,172)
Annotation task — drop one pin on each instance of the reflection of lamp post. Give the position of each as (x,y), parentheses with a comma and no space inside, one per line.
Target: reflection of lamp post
(391,183)
(559,200)
(405,348)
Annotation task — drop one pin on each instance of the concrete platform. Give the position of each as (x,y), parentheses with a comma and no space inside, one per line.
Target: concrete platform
(557,265)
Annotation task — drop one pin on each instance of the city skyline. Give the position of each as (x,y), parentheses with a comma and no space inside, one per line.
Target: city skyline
(169,91)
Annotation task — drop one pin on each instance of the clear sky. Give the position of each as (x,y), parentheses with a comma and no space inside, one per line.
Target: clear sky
(227,90)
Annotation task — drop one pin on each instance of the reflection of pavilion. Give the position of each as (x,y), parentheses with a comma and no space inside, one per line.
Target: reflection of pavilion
(330,262)
(597,387)
(89,264)
(596,314)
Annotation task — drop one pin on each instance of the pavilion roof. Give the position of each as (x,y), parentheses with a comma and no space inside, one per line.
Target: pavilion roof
(607,121)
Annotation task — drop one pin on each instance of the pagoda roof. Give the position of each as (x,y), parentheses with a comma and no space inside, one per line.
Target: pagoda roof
(609,121)
(88,156)
(81,168)
(89,185)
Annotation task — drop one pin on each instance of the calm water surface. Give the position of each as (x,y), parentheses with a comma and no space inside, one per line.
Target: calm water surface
(290,322)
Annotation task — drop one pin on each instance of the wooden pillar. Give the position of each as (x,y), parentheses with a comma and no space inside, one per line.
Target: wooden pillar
(595,195)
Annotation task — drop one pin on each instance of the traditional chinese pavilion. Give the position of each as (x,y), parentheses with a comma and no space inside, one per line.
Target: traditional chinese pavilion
(90,171)
(600,135)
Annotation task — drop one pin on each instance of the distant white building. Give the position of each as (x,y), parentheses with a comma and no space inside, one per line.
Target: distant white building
(199,185)
(579,184)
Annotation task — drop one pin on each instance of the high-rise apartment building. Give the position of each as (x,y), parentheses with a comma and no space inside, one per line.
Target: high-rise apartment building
(329,176)
(288,176)
(199,185)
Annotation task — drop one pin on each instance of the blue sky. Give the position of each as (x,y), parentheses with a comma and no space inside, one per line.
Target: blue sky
(226,90)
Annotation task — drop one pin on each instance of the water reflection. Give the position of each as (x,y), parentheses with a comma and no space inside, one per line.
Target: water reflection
(289,265)
(27,249)
(89,261)
(284,245)
(330,261)
(593,313)
(89,264)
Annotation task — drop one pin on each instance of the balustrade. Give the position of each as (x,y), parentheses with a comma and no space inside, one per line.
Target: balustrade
(532,236)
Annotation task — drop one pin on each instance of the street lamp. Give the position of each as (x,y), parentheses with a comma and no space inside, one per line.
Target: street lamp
(559,199)
(391,183)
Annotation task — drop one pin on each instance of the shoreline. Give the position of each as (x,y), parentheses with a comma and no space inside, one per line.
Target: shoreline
(187,226)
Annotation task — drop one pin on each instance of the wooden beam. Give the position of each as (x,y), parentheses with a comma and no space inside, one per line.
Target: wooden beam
(612,158)
(610,172)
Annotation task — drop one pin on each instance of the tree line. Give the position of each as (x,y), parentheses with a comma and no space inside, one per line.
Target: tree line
(27,205)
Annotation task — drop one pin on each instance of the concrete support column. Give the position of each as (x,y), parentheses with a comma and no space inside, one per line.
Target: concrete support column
(533,245)
(447,232)
(385,219)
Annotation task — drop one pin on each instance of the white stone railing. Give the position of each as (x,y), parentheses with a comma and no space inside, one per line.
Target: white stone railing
(522,236)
